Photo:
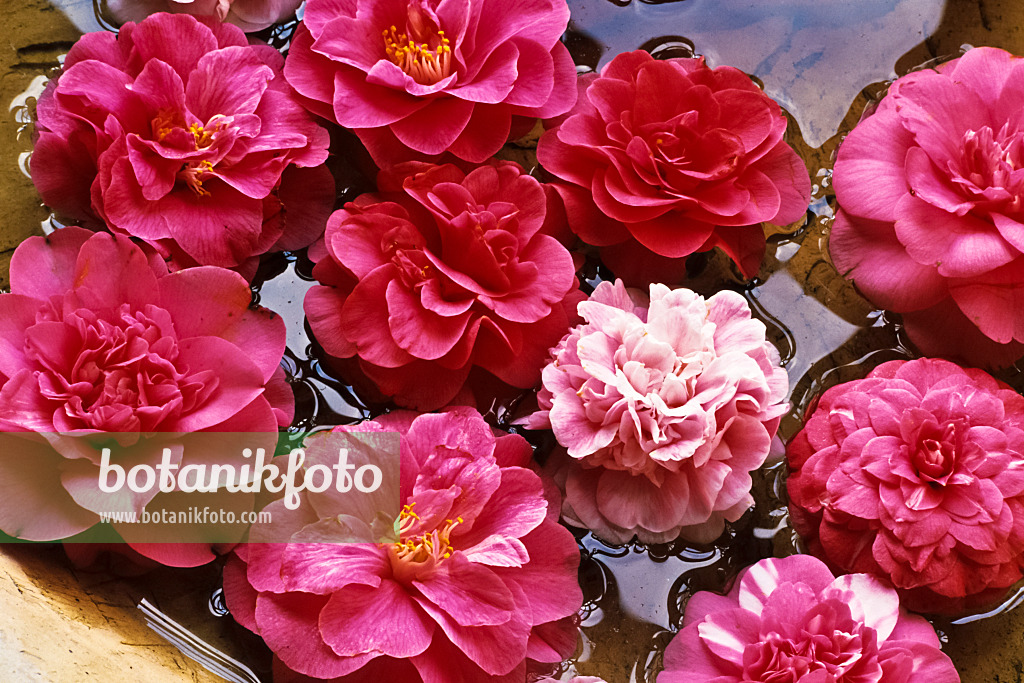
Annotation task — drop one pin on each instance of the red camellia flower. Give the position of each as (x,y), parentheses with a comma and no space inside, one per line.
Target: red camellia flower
(180,133)
(666,158)
(931,219)
(422,77)
(97,337)
(441,272)
(483,578)
(788,620)
(916,474)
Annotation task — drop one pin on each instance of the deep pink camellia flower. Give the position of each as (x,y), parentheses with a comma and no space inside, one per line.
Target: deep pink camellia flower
(96,336)
(482,579)
(417,78)
(182,134)
(664,406)
(440,273)
(248,15)
(790,619)
(931,222)
(916,474)
(666,158)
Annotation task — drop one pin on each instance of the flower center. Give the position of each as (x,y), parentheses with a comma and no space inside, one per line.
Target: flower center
(416,554)
(994,161)
(422,51)
(935,455)
(193,174)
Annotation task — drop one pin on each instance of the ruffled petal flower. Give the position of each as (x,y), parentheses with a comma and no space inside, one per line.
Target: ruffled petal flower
(480,571)
(788,620)
(441,274)
(180,133)
(418,78)
(931,222)
(663,406)
(667,176)
(96,336)
(916,474)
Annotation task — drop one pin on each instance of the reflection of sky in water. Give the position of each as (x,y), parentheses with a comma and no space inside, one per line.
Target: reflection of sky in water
(80,13)
(816,330)
(813,57)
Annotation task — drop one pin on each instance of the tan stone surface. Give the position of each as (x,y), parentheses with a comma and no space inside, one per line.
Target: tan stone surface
(59,626)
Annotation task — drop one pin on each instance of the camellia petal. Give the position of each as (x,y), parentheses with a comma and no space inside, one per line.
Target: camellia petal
(891,504)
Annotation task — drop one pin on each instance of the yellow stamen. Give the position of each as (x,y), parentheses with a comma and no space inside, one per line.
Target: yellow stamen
(429,547)
(427,65)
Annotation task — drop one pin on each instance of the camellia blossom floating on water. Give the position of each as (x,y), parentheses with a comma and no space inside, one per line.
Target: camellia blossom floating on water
(483,578)
(916,474)
(931,223)
(439,273)
(416,78)
(96,336)
(790,619)
(664,407)
(248,15)
(666,158)
(184,135)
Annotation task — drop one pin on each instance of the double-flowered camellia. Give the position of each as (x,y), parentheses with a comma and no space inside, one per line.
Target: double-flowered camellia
(482,579)
(248,15)
(95,337)
(180,133)
(423,77)
(664,406)
(440,273)
(790,619)
(931,220)
(666,158)
(916,474)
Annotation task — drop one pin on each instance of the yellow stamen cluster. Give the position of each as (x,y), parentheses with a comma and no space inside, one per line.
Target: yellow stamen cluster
(426,65)
(193,174)
(164,124)
(203,136)
(435,546)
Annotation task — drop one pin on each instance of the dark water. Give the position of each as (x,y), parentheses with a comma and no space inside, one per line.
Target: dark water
(823,61)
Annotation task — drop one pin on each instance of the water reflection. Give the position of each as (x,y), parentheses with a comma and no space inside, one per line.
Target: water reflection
(814,57)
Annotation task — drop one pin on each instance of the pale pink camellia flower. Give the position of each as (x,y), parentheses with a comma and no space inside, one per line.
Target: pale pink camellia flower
(439,274)
(790,619)
(931,223)
(482,579)
(248,15)
(180,133)
(96,336)
(664,158)
(417,78)
(664,407)
(577,679)
(916,474)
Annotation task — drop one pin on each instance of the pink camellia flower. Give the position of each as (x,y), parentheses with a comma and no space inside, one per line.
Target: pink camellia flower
(664,407)
(182,134)
(789,620)
(417,78)
(482,579)
(97,337)
(931,223)
(577,679)
(248,15)
(916,474)
(666,158)
(440,273)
